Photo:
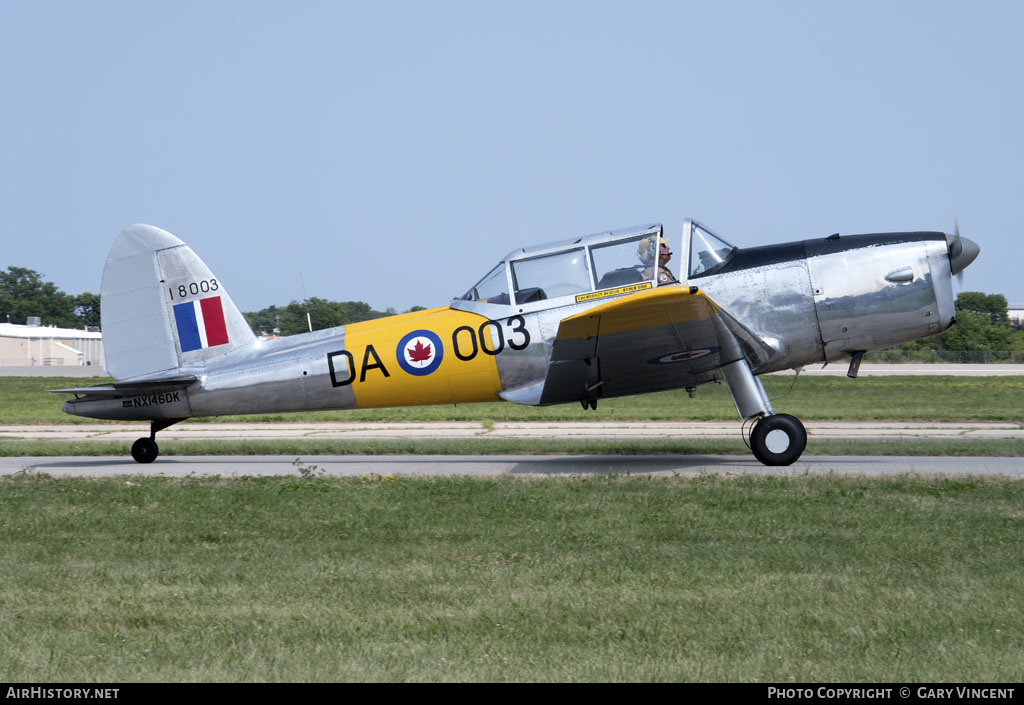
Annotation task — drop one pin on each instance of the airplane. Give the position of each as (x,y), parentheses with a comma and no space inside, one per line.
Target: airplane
(580,320)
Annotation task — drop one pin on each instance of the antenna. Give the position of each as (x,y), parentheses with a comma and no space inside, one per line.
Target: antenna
(309,320)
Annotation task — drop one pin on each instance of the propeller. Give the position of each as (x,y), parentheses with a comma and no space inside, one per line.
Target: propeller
(962,251)
(956,249)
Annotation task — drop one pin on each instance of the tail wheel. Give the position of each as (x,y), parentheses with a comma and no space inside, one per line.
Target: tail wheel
(778,439)
(145,450)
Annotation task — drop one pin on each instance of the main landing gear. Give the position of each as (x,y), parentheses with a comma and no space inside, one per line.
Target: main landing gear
(145,450)
(775,439)
(778,439)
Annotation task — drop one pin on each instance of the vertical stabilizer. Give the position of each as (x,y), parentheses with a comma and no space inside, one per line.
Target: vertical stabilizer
(162,308)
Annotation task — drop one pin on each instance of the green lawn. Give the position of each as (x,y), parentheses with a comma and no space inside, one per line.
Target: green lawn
(569,579)
(514,446)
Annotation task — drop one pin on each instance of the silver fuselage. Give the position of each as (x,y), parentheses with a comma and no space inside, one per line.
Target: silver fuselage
(809,302)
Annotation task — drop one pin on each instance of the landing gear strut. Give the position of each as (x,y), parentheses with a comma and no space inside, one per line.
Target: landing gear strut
(145,450)
(775,439)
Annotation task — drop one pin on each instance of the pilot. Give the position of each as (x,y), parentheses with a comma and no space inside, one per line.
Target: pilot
(645,251)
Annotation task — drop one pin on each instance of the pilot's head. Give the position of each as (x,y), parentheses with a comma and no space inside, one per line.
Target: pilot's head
(647,248)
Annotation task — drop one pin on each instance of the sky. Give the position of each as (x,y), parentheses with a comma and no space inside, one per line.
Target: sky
(393,152)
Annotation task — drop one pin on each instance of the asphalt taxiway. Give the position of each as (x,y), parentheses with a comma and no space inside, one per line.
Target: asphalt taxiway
(484,465)
(608,430)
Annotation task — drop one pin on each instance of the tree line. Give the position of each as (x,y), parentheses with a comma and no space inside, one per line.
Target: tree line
(982,322)
(25,293)
(292,319)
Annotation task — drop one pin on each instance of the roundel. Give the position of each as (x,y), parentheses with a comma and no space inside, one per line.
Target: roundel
(419,352)
(682,356)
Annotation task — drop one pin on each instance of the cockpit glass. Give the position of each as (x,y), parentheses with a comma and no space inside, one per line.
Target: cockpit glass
(707,251)
(624,261)
(492,288)
(550,276)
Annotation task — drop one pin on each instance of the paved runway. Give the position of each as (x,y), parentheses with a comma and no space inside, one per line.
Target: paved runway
(484,465)
(492,465)
(610,430)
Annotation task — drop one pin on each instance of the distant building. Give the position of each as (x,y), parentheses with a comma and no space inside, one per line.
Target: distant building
(1016,313)
(35,345)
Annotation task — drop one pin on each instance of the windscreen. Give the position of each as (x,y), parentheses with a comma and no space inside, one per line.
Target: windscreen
(492,288)
(707,251)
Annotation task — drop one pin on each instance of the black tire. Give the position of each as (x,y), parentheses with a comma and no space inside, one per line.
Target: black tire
(145,450)
(778,439)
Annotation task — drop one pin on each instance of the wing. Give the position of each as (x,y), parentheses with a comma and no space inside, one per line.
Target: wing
(665,338)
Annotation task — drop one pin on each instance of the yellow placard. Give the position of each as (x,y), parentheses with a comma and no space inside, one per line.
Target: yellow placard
(613,292)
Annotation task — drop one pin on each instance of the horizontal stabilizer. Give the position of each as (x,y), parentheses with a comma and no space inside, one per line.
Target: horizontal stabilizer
(130,389)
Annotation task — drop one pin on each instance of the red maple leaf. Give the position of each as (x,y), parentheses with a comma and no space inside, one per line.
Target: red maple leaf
(419,352)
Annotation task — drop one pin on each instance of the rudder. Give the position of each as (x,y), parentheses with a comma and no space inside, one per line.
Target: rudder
(162,308)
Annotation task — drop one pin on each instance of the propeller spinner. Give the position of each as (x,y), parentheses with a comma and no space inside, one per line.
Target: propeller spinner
(962,250)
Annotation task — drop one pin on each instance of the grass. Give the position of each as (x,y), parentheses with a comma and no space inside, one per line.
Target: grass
(810,398)
(496,446)
(568,579)
(806,579)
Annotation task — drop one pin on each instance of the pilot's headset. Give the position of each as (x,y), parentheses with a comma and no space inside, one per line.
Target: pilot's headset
(647,250)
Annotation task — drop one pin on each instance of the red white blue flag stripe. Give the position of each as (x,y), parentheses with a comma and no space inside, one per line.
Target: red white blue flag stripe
(200,324)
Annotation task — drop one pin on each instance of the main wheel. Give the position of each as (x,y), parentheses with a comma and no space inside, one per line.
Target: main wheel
(145,450)
(778,439)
